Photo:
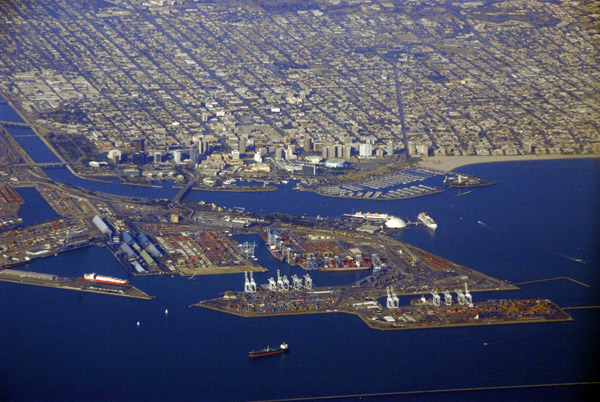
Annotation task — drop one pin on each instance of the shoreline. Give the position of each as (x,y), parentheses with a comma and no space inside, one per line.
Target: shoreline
(449,163)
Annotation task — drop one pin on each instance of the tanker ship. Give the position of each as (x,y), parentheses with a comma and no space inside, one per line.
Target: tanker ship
(104,279)
(268,351)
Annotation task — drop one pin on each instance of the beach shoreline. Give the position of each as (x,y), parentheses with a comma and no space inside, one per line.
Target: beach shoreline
(449,163)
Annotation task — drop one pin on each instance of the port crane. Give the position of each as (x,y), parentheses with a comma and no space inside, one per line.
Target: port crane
(308,283)
(437,300)
(447,298)
(392,299)
(249,284)
(468,297)
(247,249)
(283,283)
(297,282)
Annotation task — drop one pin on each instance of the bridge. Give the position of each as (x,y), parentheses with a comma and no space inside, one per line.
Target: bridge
(43,165)
(184,191)
(14,124)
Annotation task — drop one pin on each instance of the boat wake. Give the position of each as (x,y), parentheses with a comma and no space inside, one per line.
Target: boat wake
(484,224)
(579,260)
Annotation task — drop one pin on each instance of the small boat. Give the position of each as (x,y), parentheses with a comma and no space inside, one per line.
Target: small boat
(166,311)
(268,351)
(461,194)
(138,323)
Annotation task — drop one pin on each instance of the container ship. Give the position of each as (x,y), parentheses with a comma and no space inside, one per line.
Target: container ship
(104,279)
(426,220)
(268,351)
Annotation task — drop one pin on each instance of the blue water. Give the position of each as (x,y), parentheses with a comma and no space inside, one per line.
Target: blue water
(8,114)
(35,209)
(32,144)
(63,345)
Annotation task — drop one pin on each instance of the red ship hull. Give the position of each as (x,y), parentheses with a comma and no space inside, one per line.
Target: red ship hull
(267,353)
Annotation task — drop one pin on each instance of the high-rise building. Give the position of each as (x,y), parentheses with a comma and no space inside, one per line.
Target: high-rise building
(365,150)
(177,156)
(115,156)
(347,152)
(306,145)
(194,153)
(157,157)
(139,145)
(339,151)
(242,148)
(423,149)
(390,148)
(139,158)
(202,147)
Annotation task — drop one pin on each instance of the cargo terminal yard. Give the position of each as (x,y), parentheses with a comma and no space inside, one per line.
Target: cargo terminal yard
(410,272)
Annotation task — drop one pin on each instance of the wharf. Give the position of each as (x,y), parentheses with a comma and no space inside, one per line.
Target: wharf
(490,312)
(54,281)
(397,269)
(332,300)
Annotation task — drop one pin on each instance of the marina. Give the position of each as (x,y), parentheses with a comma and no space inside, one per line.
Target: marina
(396,185)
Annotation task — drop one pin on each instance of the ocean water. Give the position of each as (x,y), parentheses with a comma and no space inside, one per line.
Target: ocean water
(65,345)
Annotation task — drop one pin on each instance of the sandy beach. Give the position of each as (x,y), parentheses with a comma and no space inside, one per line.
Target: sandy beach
(449,163)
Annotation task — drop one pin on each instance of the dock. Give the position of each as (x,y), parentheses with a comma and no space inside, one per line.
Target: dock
(81,285)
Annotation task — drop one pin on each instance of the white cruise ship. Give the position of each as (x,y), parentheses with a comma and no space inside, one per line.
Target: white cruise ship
(427,220)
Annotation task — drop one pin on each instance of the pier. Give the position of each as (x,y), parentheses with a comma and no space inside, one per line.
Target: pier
(55,281)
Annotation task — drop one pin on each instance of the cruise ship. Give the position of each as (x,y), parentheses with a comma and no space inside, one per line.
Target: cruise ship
(368,215)
(426,220)
(105,279)
(268,351)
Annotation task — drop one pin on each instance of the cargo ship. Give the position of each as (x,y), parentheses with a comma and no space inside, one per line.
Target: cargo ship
(268,351)
(427,220)
(104,279)
(336,264)
(343,268)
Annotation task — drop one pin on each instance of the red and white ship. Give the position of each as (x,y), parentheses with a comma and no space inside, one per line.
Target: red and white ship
(105,279)
(268,351)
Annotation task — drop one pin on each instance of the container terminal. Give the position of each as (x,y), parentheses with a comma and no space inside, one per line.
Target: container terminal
(108,287)
(394,269)
(282,298)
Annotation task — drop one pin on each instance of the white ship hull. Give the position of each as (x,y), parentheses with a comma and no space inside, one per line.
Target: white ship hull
(427,221)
